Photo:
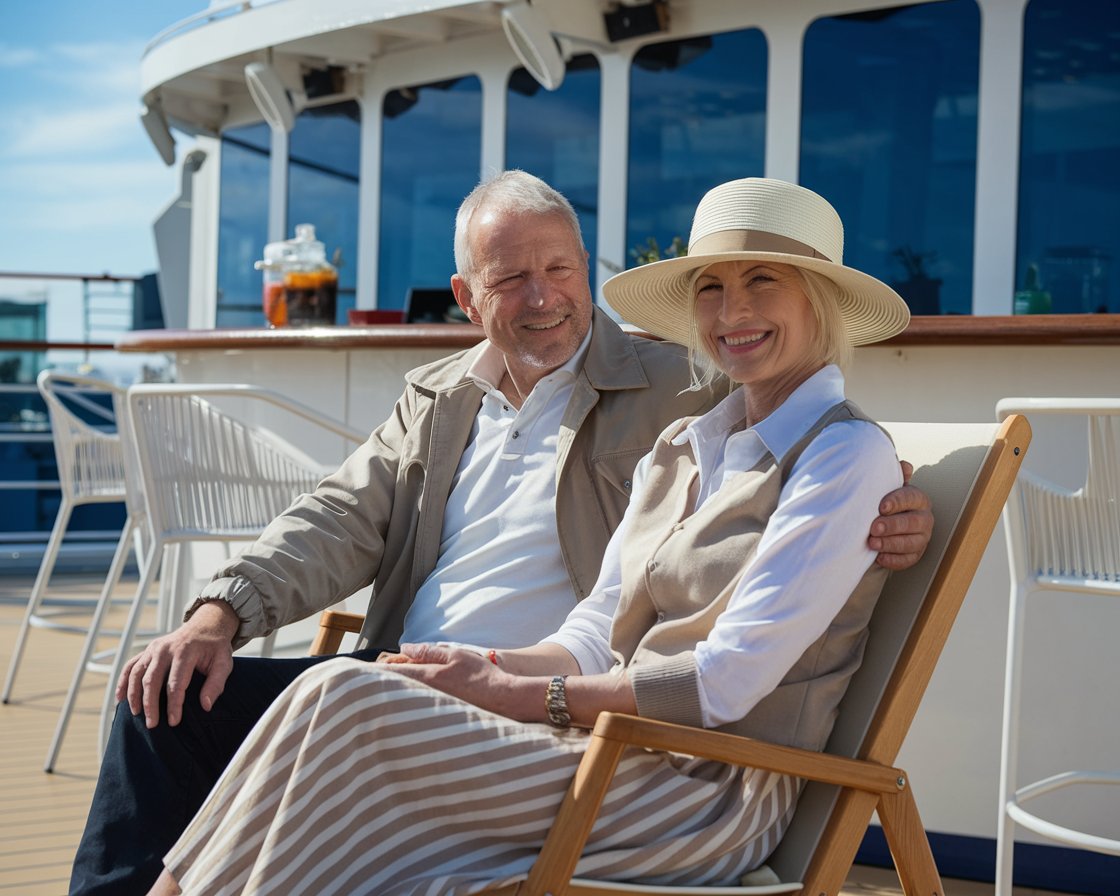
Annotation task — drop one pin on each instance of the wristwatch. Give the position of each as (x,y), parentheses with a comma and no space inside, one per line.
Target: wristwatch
(556,703)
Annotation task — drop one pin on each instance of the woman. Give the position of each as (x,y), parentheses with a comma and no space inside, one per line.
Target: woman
(735,595)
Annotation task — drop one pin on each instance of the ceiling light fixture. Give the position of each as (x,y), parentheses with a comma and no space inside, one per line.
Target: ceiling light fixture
(155,123)
(531,40)
(269,95)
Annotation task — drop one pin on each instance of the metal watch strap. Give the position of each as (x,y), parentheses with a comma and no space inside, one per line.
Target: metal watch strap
(556,703)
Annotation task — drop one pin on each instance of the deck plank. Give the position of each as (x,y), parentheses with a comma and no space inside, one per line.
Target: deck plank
(43,814)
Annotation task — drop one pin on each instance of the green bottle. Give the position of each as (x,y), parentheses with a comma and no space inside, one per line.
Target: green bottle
(1033,299)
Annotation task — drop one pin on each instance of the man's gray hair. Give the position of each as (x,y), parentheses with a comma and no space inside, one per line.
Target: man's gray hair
(510,191)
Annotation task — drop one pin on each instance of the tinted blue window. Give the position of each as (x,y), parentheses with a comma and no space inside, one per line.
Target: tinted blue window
(888,136)
(555,135)
(323,160)
(242,224)
(431,154)
(1069,172)
(697,119)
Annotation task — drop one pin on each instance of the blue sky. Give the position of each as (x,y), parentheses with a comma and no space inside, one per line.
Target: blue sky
(80,182)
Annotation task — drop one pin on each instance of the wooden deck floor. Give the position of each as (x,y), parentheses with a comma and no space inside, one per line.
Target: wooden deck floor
(42,815)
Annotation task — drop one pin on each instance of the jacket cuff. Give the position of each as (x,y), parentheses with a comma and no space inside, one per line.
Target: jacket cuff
(240,594)
(668,690)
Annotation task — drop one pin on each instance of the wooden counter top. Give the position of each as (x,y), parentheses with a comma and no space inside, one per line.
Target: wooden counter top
(1043,329)
(384,336)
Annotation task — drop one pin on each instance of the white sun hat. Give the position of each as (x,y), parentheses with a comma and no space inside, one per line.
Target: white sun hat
(757,219)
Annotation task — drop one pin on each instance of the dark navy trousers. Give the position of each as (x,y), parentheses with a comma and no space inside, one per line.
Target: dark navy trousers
(152,782)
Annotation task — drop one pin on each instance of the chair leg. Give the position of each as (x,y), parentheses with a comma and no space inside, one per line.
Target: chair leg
(1009,750)
(171,585)
(152,564)
(120,557)
(909,844)
(38,591)
(833,857)
(562,848)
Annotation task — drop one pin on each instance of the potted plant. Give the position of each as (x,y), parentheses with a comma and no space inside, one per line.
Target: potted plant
(651,251)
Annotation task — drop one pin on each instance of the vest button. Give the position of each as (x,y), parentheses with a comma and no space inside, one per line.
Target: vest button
(627,485)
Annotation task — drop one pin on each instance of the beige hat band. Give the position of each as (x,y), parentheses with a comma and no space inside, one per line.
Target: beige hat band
(751,241)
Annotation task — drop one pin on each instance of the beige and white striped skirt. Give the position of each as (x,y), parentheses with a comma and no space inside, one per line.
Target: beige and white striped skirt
(361,782)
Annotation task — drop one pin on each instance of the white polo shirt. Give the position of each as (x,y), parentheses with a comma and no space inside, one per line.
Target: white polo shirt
(501,580)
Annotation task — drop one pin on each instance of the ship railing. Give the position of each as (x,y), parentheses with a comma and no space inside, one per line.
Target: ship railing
(26,448)
(216,10)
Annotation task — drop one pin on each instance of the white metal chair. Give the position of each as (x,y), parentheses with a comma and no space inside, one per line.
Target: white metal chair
(1065,541)
(210,476)
(90,471)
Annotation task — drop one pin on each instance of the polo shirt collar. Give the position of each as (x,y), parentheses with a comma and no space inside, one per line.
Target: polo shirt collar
(489,366)
(779,432)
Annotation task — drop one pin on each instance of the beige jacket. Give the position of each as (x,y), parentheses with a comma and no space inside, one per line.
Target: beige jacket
(379,518)
(689,565)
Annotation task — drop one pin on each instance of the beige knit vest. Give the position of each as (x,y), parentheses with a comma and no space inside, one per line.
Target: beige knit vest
(681,569)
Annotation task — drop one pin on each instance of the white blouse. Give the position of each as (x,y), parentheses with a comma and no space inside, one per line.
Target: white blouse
(810,557)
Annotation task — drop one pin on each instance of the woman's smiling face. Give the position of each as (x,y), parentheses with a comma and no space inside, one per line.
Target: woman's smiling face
(755,321)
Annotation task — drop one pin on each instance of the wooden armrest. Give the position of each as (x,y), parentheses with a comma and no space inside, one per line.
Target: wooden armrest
(333,624)
(736,750)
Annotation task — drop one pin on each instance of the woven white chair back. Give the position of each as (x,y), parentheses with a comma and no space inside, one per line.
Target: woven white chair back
(89,455)
(206,471)
(1062,538)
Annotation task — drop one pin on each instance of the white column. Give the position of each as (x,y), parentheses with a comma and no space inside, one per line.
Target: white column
(609,256)
(202,306)
(369,192)
(783,97)
(278,185)
(997,155)
(493,153)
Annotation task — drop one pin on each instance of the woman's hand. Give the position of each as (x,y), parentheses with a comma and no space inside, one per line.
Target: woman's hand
(519,695)
(464,674)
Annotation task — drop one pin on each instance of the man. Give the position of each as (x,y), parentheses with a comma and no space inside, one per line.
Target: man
(479,511)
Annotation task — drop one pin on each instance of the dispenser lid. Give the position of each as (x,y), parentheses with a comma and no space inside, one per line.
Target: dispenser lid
(275,255)
(305,244)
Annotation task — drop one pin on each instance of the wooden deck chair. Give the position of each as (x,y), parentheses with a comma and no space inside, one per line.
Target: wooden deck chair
(967,470)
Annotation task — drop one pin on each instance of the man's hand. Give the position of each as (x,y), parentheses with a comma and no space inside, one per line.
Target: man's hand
(202,644)
(901,535)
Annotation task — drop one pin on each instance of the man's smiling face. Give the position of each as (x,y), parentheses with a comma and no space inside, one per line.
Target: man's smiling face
(529,289)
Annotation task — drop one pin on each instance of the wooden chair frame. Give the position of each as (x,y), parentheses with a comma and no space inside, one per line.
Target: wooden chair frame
(867,783)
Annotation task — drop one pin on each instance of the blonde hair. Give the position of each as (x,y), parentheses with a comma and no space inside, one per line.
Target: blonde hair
(830,343)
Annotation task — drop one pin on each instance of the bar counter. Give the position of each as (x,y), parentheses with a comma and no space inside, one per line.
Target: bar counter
(950,367)
(962,330)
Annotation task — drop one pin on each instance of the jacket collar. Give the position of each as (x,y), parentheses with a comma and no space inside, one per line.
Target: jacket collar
(612,360)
